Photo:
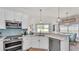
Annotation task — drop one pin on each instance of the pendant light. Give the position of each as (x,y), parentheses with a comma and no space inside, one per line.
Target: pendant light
(67,13)
(67,23)
(40,16)
(58,18)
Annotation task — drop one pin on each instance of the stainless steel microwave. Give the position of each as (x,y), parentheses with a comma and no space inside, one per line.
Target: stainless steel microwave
(13,24)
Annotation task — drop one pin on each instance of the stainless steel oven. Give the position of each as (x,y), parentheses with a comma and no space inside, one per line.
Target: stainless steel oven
(11,44)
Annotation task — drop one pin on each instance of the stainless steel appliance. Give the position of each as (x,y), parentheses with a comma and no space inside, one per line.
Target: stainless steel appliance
(12,44)
(13,24)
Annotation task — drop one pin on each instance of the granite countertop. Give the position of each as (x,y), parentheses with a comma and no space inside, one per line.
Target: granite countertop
(2,38)
(57,35)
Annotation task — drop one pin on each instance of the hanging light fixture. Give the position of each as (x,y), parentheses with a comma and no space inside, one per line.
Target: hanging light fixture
(58,18)
(40,16)
(67,13)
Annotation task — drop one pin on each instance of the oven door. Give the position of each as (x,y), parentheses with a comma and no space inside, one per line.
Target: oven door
(13,45)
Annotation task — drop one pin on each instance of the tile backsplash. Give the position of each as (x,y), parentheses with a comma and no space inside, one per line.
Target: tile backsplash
(10,32)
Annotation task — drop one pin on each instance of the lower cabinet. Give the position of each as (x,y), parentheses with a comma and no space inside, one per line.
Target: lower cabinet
(44,42)
(35,42)
(1,45)
(40,42)
(26,42)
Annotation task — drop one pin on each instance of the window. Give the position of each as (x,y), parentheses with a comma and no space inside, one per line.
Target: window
(74,28)
(53,27)
(63,29)
(43,28)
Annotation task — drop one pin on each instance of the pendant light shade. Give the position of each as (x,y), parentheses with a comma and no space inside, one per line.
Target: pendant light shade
(67,13)
(40,16)
(58,18)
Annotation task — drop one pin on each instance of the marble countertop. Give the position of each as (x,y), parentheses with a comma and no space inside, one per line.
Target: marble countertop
(2,38)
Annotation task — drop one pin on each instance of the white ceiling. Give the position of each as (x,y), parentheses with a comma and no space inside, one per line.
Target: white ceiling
(47,12)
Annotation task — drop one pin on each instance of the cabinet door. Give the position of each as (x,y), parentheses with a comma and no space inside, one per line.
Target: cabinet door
(1,45)
(40,42)
(2,24)
(35,42)
(26,43)
(24,22)
(44,43)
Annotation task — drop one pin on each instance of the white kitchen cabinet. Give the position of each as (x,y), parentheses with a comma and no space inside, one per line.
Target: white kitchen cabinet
(44,42)
(2,24)
(24,22)
(40,42)
(26,42)
(2,14)
(30,41)
(35,42)
(1,45)
(11,14)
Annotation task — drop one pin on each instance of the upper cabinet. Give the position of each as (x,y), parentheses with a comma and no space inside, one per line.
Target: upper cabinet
(10,14)
(24,22)
(2,14)
(2,24)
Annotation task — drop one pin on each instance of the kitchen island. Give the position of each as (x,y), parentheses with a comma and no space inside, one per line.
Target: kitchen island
(60,41)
